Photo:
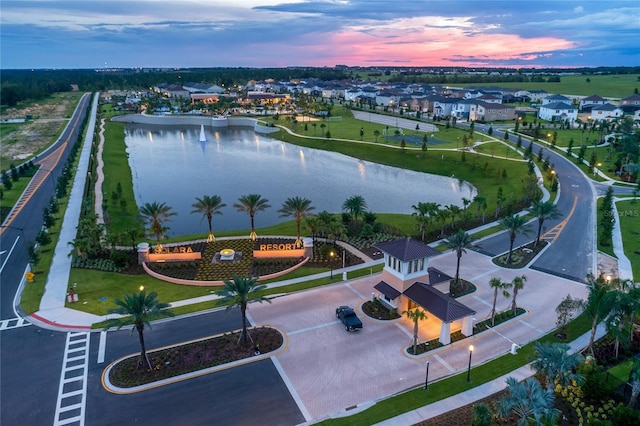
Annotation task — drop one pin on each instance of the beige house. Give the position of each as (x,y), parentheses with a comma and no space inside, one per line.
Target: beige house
(408,282)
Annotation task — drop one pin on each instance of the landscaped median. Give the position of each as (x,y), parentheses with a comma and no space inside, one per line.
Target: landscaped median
(191,359)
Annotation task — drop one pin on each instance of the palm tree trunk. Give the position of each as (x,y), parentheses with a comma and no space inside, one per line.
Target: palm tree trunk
(458,268)
(298,232)
(539,232)
(243,335)
(512,238)
(514,306)
(493,308)
(143,350)
(415,336)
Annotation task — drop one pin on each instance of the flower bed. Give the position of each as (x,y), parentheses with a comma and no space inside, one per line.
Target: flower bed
(457,336)
(193,356)
(521,256)
(377,310)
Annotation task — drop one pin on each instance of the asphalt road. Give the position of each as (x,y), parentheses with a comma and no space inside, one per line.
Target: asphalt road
(572,254)
(24,227)
(247,395)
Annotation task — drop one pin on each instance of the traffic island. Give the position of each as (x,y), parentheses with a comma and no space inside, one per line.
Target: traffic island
(192,359)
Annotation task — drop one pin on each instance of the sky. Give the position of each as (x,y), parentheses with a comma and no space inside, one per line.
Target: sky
(280,33)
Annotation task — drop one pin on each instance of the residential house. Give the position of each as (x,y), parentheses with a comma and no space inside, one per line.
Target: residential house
(606,112)
(553,99)
(487,112)
(590,101)
(558,111)
(630,104)
(407,282)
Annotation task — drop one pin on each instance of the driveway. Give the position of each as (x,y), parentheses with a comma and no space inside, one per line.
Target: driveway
(330,371)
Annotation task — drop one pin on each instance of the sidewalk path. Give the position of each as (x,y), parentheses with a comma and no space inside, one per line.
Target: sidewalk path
(480,392)
(97,207)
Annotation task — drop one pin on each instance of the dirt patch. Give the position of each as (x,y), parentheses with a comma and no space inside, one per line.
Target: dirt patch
(47,119)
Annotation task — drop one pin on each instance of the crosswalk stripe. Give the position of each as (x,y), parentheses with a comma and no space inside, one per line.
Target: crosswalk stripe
(76,349)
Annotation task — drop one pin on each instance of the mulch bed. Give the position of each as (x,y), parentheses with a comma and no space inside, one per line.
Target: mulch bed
(521,256)
(194,356)
(375,309)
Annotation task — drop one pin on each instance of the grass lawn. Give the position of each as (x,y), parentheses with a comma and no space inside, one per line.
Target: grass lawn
(629,216)
(605,249)
(618,86)
(453,385)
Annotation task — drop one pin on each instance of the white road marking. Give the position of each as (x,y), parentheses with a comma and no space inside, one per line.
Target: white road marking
(315,327)
(443,362)
(10,251)
(481,300)
(102,346)
(68,410)
(8,324)
(292,389)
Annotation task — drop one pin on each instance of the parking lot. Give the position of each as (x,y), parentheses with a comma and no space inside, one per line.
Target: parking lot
(330,370)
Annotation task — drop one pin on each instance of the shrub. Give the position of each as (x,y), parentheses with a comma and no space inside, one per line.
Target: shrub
(625,416)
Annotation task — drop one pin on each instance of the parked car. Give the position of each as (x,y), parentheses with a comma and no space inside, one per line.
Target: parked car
(349,318)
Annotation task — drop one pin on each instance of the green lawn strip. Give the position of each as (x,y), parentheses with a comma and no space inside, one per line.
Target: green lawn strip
(617,85)
(32,293)
(453,385)
(11,196)
(629,217)
(116,170)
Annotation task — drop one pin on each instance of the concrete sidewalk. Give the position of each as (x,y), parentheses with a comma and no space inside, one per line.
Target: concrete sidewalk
(479,392)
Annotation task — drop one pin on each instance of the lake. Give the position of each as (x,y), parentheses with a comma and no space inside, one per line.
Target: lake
(169,164)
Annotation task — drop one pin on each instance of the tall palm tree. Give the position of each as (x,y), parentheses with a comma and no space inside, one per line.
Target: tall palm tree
(528,401)
(555,362)
(299,208)
(324,221)
(238,293)
(155,215)
(597,304)
(140,308)
(355,205)
(543,210)
(481,204)
(416,315)
(442,215)
(424,213)
(497,284)
(459,242)
(514,224)
(313,224)
(252,204)
(517,284)
(208,205)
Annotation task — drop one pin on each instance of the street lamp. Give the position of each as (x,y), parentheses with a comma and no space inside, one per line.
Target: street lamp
(597,169)
(426,379)
(331,254)
(469,369)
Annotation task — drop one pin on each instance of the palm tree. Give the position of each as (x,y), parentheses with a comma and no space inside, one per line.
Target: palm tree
(299,208)
(155,214)
(481,203)
(355,205)
(459,242)
(634,381)
(336,230)
(514,224)
(442,216)
(142,308)
(424,213)
(252,204)
(597,304)
(238,293)
(516,284)
(208,205)
(555,362)
(528,401)
(497,284)
(415,315)
(543,210)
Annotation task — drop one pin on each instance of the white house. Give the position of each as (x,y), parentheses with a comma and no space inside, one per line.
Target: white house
(586,104)
(558,111)
(553,99)
(606,111)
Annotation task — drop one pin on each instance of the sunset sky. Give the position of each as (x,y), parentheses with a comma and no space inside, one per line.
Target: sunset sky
(273,33)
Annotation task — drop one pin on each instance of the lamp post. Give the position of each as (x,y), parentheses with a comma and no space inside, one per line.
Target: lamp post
(426,379)
(469,368)
(331,254)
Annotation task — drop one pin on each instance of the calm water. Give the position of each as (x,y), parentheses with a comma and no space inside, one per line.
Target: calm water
(170,165)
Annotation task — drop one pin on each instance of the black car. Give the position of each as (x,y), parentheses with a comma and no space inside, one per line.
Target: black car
(349,318)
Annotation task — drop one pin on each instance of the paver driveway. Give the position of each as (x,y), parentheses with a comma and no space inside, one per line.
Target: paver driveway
(331,370)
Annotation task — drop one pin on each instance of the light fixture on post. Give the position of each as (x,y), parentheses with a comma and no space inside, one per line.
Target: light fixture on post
(331,255)
(426,379)
(469,368)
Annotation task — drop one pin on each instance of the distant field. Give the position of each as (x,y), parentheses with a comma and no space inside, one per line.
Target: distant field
(615,86)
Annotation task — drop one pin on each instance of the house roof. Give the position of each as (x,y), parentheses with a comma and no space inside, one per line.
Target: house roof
(604,107)
(557,98)
(436,276)
(443,306)
(557,105)
(387,290)
(407,249)
(593,98)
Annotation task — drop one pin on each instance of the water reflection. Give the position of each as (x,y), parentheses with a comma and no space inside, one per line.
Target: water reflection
(167,170)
